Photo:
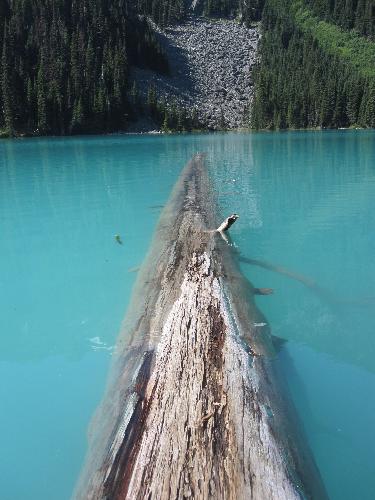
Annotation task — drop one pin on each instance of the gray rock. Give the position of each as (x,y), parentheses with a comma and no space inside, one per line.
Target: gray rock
(211,64)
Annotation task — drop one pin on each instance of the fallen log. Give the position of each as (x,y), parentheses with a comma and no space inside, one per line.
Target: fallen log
(195,407)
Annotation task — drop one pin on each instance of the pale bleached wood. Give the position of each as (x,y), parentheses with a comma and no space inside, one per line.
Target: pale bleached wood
(194,407)
(227,223)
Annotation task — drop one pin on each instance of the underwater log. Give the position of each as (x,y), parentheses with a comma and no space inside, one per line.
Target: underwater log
(195,406)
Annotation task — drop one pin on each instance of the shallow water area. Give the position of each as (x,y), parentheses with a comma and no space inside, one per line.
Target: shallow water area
(306,203)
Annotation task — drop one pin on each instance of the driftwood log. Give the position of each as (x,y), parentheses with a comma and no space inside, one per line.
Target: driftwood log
(195,407)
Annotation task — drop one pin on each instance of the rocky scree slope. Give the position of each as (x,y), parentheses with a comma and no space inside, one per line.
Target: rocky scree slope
(211,64)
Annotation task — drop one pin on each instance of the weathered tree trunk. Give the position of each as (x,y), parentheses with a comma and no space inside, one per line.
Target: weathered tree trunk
(194,408)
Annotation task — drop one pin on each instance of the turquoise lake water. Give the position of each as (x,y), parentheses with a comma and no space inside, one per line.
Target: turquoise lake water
(306,202)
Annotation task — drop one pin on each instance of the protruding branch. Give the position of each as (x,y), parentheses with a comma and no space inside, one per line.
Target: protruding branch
(192,322)
(229,221)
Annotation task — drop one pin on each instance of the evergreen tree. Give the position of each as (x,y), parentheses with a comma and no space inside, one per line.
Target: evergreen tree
(7,87)
(78,117)
(301,82)
(64,66)
(41,100)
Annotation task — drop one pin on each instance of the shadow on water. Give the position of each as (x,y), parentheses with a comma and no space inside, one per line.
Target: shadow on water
(306,210)
(351,343)
(305,202)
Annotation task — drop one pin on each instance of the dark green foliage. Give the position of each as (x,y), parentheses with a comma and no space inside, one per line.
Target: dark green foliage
(246,10)
(349,14)
(64,65)
(143,48)
(165,12)
(169,117)
(310,75)
(8,106)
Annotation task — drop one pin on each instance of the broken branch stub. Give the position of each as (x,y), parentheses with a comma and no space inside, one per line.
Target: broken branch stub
(194,407)
(227,223)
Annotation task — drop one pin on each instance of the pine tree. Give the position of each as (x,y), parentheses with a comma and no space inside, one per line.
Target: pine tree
(41,100)
(300,83)
(30,96)
(7,87)
(134,96)
(151,100)
(369,106)
(194,119)
(166,123)
(360,17)
(78,117)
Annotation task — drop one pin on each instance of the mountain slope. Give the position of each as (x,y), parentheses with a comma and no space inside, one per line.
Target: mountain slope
(313,73)
(64,66)
(100,66)
(210,71)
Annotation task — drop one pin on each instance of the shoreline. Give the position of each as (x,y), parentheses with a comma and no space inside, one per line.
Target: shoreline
(4,136)
(239,130)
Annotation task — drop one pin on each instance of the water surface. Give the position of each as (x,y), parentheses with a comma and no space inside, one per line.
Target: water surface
(306,201)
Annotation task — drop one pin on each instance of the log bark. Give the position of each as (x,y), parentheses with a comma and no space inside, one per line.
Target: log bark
(195,407)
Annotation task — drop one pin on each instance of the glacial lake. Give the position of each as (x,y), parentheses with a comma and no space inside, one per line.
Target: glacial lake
(307,205)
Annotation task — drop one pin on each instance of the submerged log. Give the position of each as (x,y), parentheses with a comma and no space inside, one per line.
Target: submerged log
(194,407)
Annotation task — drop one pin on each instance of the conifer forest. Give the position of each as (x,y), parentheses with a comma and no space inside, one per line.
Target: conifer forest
(65,65)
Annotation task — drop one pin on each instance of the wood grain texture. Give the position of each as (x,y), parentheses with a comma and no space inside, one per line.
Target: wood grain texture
(194,407)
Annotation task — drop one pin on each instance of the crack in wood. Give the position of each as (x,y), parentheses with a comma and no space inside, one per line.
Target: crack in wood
(186,413)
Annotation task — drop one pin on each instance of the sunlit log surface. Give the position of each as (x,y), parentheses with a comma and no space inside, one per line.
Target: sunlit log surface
(194,407)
